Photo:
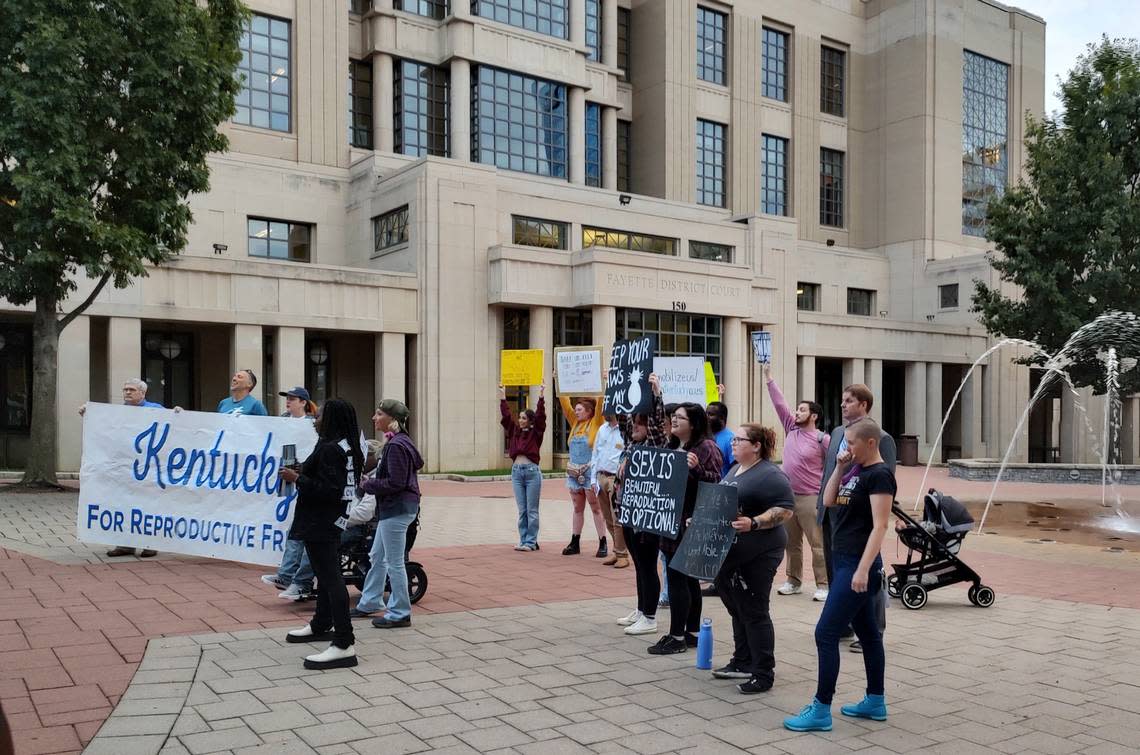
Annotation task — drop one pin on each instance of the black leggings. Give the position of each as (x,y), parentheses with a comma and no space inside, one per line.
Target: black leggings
(332,595)
(643,551)
(684,603)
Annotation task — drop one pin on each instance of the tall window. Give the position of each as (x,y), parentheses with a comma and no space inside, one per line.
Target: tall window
(549,234)
(594,29)
(704,250)
(16,380)
(860,301)
(985,117)
(519,122)
(278,239)
(360,104)
(318,369)
(624,46)
(572,327)
(543,16)
(168,368)
(265,74)
(420,108)
(390,229)
(831,188)
(832,72)
(948,296)
(623,144)
(807,297)
(431,8)
(710,163)
(775,56)
(593,144)
(712,47)
(774,183)
(635,242)
(678,335)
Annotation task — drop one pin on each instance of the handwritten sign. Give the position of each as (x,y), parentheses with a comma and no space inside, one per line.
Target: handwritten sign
(578,370)
(682,379)
(627,385)
(520,367)
(712,393)
(762,346)
(709,536)
(653,493)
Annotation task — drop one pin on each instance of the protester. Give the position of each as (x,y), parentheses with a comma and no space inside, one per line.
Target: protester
(325,484)
(859,493)
(609,445)
(667,430)
(765,501)
(804,451)
(722,434)
(584,425)
(298,404)
(690,429)
(240,400)
(397,491)
(642,430)
(524,444)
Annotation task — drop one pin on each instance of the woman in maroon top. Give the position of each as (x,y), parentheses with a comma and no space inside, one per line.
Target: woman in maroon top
(524,439)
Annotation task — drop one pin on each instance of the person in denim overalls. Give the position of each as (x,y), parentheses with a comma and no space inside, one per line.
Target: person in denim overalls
(584,423)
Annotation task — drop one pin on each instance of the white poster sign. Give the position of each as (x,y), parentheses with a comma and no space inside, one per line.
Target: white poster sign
(682,379)
(579,370)
(762,346)
(188,482)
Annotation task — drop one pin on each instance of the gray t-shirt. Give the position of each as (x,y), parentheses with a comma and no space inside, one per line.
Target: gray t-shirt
(758,489)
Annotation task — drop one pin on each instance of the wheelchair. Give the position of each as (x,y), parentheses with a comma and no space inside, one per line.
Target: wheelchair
(355,561)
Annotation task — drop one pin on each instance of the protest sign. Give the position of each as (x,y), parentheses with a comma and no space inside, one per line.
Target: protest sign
(520,367)
(712,393)
(578,370)
(710,534)
(627,384)
(762,346)
(188,482)
(682,379)
(653,493)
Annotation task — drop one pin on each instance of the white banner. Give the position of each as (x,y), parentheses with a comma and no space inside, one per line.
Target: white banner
(188,482)
(682,379)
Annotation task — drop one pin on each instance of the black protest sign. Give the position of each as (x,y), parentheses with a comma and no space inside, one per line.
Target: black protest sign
(710,534)
(653,493)
(627,384)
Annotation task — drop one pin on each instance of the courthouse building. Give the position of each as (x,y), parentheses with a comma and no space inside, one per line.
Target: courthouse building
(413,185)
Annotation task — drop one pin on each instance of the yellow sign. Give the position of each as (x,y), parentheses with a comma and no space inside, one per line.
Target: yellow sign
(521,367)
(712,393)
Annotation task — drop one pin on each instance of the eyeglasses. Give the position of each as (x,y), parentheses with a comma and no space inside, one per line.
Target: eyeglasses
(737,439)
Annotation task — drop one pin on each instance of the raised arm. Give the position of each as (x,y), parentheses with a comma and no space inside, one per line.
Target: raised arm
(540,414)
(778,400)
(567,410)
(507,419)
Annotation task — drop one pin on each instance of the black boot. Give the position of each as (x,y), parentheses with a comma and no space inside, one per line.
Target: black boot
(573,549)
(603,551)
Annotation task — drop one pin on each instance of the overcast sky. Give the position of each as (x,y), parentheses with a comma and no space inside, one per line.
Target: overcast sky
(1070,25)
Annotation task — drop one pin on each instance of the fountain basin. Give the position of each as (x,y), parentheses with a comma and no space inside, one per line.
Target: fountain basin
(986,470)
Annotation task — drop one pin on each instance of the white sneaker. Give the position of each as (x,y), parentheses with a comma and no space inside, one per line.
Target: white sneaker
(644,625)
(789,589)
(820,594)
(292,592)
(332,657)
(632,618)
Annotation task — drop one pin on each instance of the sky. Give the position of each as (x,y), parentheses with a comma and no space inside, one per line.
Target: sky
(1070,25)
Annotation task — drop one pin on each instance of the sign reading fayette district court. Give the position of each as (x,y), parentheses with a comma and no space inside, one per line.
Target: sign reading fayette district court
(187,482)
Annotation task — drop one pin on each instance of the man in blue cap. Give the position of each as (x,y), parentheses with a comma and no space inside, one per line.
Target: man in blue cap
(297,403)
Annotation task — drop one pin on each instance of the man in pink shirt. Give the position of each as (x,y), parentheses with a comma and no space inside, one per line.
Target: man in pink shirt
(804,452)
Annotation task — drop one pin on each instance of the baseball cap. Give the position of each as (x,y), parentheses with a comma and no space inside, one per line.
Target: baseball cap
(298,392)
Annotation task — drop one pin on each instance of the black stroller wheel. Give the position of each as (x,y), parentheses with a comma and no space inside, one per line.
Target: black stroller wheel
(894,586)
(914,596)
(417,581)
(981,596)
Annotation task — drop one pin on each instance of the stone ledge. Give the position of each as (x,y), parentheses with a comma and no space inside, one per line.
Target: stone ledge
(985,470)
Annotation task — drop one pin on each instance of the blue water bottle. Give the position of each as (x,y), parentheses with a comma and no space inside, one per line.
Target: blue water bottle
(705,645)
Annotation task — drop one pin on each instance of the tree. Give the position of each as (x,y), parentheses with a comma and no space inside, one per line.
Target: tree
(1068,237)
(108,111)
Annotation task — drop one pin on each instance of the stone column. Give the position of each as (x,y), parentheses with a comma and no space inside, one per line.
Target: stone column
(874,380)
(1126,437)
(1069,427)
(914,413)
(852,371)
(971,403)
(605,329)
(383,137)
(805,380)
(609,32)
(390,367)
(245,353)
(578,22)
(289,361)
(609,147)
(736,352)
(577,129)
(542,337)
(460,115)
(933,406)
(124,354)
(73,389)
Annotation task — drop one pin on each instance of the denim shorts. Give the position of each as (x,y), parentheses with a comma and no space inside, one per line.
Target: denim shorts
(574,486)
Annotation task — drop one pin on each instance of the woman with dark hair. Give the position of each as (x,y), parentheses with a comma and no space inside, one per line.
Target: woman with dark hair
(667,432)
(765,501)
(690,431)
(325,486)
(524,443)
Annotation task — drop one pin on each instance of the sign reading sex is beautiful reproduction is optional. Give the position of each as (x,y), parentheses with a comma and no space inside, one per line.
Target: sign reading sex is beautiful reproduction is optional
(653,493)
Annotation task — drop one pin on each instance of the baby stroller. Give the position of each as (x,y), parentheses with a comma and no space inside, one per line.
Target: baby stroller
(932,553)
(355,561)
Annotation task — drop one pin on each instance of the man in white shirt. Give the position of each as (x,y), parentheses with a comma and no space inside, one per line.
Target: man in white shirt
(608,448)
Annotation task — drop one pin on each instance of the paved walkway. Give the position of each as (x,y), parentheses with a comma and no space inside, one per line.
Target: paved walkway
(518,651)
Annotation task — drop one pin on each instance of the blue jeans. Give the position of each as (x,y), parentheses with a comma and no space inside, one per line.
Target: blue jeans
(664,582)
(387,558)
(845,607)
(526,479)
(295,567)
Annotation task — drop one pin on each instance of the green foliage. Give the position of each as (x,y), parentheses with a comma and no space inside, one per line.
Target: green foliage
(108,110)
(1068,237)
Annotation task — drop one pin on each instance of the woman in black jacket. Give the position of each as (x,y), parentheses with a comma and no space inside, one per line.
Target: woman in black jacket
(326,484)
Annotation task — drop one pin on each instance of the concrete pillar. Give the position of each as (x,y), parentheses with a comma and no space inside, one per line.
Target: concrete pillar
(609,147)
(874,380)
(245,353)
(805,380)
(289,359)
(390,367)
(72,390)
(933,406)
(1126,437)
(542,337)
(1070,423)
(605,329)
(577,151)
(460,115)
(735,350)
(578,22)
(124,354)
(383,136)
(914,413)
(853,371)
(609,32)
(971,403)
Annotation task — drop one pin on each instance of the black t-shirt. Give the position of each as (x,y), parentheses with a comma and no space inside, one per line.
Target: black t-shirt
(759,488)
(851,519)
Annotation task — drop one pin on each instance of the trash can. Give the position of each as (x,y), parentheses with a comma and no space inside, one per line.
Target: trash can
(908,450)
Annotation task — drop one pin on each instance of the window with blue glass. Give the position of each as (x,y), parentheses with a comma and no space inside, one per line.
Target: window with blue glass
(594,29)
(774,181)
(710,163)
(593,144)
(265,74)
(985,117)
(712,46)
(518,122)
(775,60)
(543,16)
(420,106)
(431,8)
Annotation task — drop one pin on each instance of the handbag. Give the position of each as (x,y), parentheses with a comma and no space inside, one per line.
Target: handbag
(577,472)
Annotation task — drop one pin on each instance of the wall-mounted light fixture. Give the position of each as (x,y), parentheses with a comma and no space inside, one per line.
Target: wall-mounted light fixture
(930,318)
(220,248)
(624,199)
(831,242)
(883,313)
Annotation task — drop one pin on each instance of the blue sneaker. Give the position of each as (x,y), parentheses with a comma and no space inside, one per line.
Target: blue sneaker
(814,717)
(871,706)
